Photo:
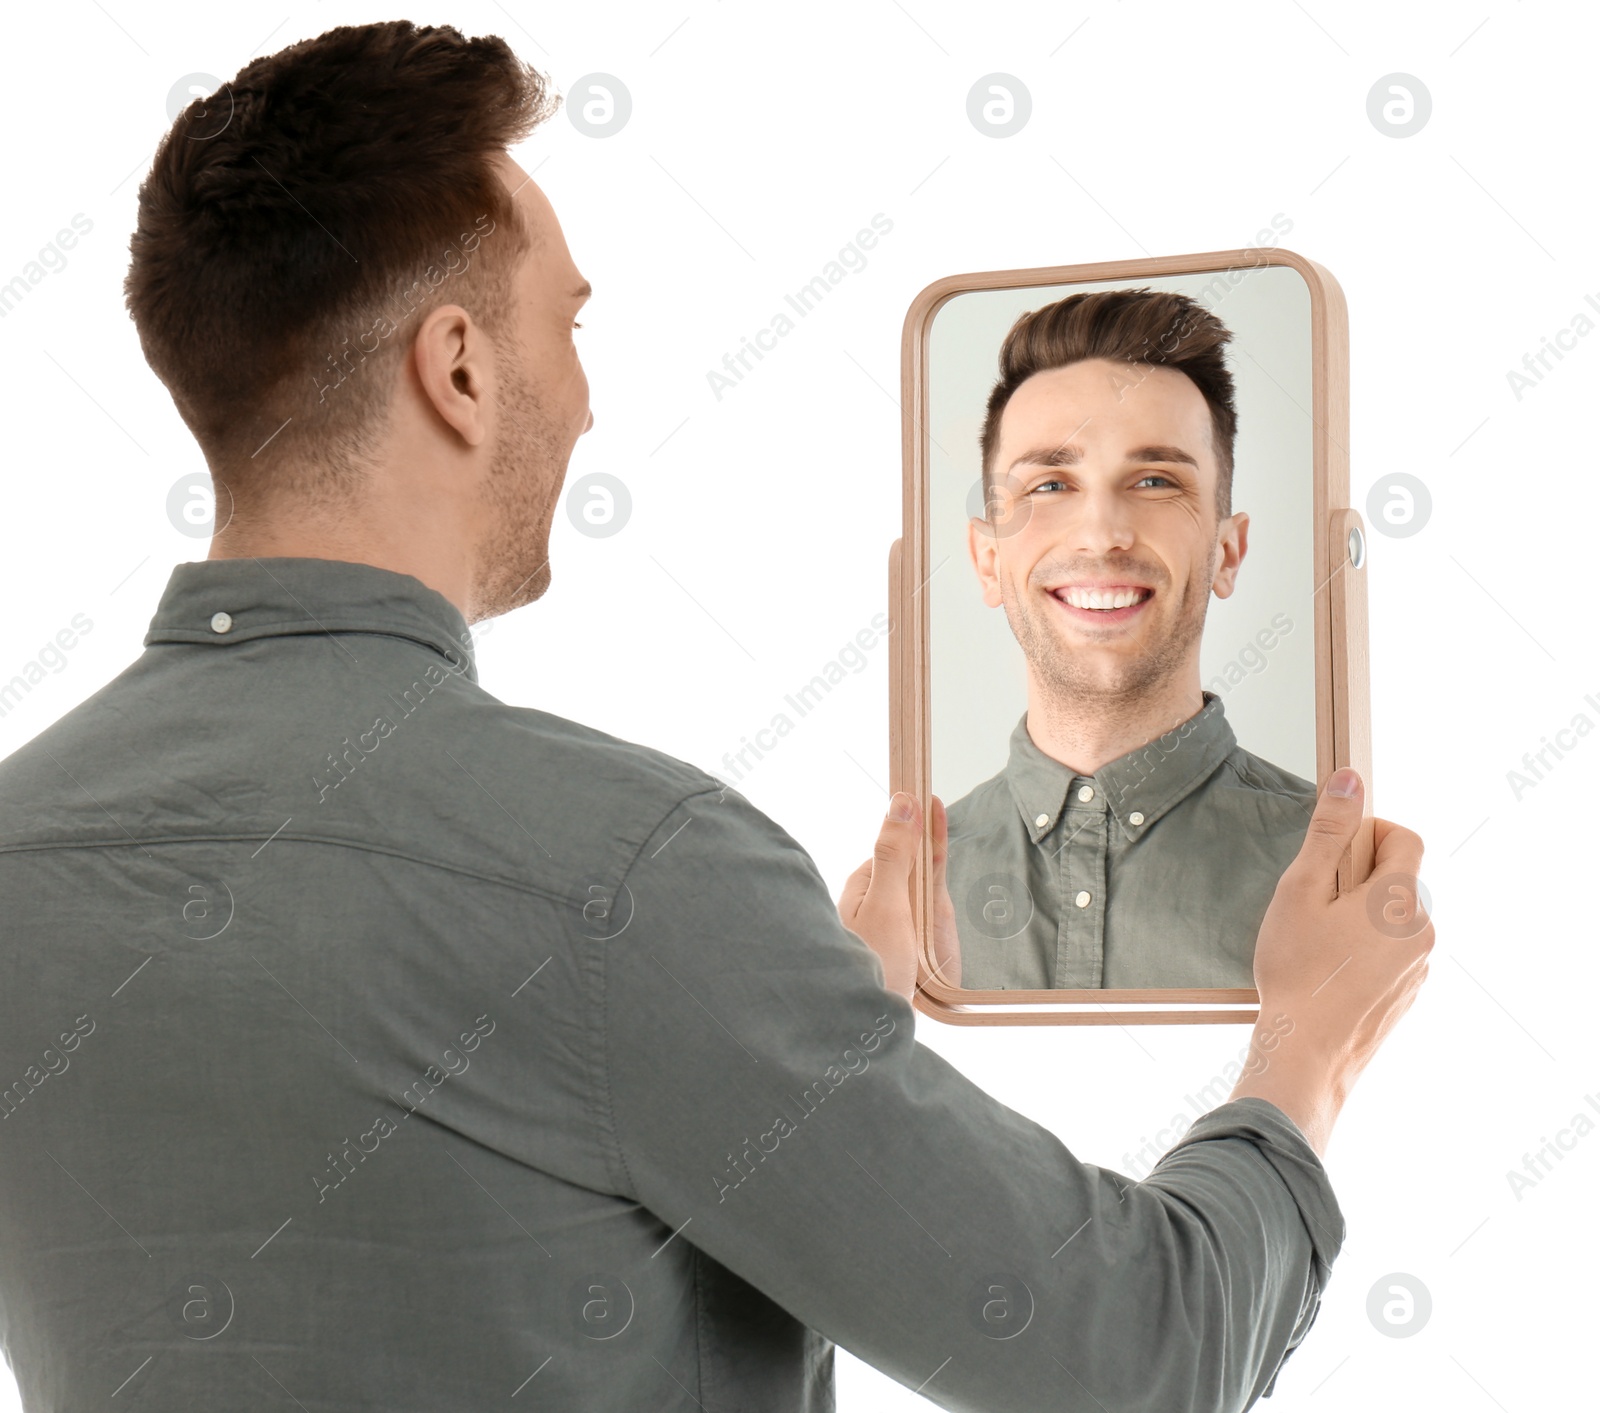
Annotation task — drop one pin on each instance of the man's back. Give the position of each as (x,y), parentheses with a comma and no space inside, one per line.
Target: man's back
(338,1071)
(370,1043)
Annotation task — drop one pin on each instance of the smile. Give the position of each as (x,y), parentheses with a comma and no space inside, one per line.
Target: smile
(1114,604)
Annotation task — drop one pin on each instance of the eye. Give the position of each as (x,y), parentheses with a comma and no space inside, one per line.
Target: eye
(1155,476)
(576,324)
(1045,485)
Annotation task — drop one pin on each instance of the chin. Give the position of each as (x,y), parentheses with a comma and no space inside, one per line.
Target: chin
(510,590)
(530,589)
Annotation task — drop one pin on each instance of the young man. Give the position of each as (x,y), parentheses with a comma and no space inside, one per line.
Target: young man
(1141,840)
(373,1044)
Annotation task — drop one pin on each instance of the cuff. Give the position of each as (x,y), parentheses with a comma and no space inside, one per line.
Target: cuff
(1278,1139)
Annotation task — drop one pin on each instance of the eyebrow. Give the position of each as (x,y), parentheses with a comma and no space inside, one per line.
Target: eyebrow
(1069,455)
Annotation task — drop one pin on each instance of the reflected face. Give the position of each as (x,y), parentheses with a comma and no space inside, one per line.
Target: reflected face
(1103,543)
(542,407)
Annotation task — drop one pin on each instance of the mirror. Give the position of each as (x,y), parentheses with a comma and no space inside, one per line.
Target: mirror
(1135,598)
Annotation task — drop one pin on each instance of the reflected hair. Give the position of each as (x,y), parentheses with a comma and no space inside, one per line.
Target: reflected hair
(288,216)
(1133,326)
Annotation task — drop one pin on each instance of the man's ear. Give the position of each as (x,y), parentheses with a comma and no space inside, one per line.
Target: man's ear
(450,353)
(1233,538)
(983,548)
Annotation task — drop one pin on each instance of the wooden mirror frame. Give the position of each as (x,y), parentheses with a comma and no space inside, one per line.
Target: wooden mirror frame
(1339,615)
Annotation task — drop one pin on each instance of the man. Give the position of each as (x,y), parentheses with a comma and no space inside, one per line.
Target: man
(1130,841)
(295,879)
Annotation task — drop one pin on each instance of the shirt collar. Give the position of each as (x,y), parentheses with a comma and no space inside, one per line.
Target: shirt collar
(221,601)
(1138,788)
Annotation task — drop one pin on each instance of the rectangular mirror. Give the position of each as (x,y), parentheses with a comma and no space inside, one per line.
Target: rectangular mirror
(1135,640)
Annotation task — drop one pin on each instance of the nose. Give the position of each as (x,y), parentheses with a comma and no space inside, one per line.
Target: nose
(590,422)
(1104,522)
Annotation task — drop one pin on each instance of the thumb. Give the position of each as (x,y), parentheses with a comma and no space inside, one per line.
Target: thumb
(1333,825)
(896,850)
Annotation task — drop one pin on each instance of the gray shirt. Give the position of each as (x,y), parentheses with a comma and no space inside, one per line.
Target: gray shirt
(1154,871)
(294,879)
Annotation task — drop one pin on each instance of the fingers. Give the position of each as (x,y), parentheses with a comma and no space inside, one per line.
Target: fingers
(1396,849)
(941,838)
(855,891)
(1397,857)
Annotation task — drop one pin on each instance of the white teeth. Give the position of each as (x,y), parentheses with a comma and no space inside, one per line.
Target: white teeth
(1102,598)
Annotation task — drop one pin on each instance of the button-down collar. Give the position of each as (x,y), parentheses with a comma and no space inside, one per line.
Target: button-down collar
(221,602)
(1146,782)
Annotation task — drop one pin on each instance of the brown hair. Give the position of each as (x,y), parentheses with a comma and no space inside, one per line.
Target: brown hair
(1136,326)
(296,219)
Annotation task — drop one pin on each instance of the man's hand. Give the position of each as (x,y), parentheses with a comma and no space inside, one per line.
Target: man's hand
(1335,971)
(876,902)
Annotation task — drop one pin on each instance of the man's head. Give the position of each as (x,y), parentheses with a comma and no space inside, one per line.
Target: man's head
(1107,466)
(363,307)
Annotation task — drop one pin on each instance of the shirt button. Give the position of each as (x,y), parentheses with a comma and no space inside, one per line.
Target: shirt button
(221,622)
(1136,818)
(1082,900)
(1042,820)
(1086,793)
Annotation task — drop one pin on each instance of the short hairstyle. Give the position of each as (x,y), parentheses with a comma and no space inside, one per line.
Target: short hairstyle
(294,221)
(1136,326)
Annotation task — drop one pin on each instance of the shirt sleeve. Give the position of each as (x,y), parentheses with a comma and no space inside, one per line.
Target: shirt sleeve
(765,1089)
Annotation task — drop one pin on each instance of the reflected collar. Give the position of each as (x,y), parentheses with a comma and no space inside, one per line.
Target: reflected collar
(222,601)
(1148,781)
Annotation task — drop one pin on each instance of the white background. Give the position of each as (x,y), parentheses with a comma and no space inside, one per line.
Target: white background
(761,140)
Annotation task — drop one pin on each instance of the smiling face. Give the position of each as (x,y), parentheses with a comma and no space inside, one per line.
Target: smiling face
(1103,544)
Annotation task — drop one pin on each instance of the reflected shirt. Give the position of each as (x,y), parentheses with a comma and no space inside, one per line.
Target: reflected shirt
(368,1043)
(1155,871)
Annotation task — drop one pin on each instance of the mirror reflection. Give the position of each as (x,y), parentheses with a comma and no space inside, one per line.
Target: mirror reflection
(1121,644)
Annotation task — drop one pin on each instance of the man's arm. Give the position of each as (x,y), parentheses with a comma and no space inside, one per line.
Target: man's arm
(765,1089)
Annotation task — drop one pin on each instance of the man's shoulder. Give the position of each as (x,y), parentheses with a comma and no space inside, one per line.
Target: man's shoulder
(456,777)
(615,774)
(1260,774)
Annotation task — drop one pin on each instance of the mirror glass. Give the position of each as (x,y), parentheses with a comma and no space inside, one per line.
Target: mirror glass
(1121,648)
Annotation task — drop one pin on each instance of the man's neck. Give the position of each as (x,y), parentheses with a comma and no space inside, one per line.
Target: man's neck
(437,562)
(1085,735)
